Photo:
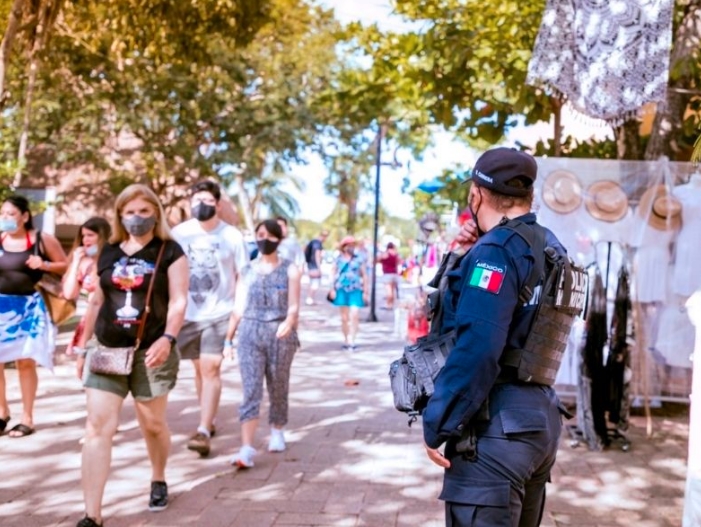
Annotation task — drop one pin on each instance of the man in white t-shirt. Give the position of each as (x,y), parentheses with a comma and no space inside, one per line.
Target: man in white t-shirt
(216,253)
(289,248)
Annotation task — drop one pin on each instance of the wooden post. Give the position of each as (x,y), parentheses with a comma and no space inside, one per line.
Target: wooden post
(692,496)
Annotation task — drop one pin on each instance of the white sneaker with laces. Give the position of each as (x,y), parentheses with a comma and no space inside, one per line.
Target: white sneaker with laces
(277,441)
(244,458)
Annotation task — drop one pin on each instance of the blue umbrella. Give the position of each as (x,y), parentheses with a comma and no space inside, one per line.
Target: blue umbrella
(431,186)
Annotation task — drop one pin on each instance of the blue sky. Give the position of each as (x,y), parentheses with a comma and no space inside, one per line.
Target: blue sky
(447,152)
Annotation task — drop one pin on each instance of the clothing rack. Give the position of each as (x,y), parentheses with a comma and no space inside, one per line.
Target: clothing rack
(613,435)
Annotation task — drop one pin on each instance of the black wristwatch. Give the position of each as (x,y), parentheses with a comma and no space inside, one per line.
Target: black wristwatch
(170,338)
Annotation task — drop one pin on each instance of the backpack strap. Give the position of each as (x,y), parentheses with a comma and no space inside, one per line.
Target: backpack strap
(534,236)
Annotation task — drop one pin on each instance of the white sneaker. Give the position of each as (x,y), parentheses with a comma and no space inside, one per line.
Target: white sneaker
(277,441)
(244,459)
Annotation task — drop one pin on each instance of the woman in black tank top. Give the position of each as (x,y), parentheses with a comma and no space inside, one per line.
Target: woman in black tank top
(27,336)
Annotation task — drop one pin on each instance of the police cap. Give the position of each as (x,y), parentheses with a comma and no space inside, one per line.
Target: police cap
(496,167)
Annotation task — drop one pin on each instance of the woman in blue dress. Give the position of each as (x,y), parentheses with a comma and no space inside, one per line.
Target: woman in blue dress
(350,288)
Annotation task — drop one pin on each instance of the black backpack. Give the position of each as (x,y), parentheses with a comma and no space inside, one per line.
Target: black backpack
(308,252)
(412,375)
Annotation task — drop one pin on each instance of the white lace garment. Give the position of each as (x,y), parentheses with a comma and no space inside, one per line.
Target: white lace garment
(607,57)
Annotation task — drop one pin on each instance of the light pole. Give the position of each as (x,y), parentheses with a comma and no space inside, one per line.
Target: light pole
(372,317)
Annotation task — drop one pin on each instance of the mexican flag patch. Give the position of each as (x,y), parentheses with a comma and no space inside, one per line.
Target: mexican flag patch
(488,276)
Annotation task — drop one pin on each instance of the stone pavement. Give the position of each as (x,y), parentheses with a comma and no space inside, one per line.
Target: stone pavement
(351,459)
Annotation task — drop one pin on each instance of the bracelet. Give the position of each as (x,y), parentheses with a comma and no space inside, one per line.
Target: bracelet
(79,352)
(229,343)
(170,338)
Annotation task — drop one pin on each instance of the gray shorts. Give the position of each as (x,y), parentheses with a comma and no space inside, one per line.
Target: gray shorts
(143,383)
(204,337)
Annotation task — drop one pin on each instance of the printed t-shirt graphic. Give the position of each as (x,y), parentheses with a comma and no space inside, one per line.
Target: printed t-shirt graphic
(128,273)
(488,276)
(215,258)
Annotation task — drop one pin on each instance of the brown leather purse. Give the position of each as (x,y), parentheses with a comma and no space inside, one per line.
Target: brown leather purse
(120,361)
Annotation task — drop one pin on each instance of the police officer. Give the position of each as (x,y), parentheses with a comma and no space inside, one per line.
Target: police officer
(500,434)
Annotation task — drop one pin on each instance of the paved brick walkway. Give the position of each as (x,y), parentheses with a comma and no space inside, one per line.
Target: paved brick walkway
(351,461)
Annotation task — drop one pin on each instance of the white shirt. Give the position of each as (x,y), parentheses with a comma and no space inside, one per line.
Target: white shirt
(290,250)
(216,258)
(687,277)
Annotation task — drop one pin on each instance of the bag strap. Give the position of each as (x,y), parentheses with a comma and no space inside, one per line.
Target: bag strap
(147,307)
(37,243)
(534,236)
(343,270)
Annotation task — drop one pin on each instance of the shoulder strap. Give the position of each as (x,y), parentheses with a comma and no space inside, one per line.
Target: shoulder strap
(534,236)
(149,291)
(37,243)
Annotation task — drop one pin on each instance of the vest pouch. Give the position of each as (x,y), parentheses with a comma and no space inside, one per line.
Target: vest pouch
(405,390)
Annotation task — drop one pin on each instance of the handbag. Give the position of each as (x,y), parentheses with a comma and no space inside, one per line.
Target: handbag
(106,360)
(49,286)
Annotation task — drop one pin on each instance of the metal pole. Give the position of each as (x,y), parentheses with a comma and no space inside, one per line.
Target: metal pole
(372,317)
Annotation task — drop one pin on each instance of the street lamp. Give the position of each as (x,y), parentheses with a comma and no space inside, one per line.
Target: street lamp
(372,317)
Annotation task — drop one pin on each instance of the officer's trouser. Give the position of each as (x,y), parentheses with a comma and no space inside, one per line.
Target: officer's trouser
(505,486)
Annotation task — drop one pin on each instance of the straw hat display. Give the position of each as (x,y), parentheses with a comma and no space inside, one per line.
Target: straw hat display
(661,209)
(562,191)
(606,201)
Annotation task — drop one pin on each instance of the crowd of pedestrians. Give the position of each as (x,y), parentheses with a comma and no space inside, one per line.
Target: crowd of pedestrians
(156,294)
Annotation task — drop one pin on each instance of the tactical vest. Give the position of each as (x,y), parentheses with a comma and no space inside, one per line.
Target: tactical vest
(563,296)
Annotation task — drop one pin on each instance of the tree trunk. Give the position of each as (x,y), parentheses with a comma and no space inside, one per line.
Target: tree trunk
(7,40)
(352,219)
(46,16)
(669,117)
(628,140)
(556,104)
(245,203)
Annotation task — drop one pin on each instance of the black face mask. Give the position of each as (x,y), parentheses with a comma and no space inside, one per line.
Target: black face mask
(267,246)
(203,212)
(480,232)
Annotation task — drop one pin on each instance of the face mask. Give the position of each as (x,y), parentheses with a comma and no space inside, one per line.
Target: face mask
(267,246)
(8,225)
(92,250)
(203,212)
(480,232)
(138,225)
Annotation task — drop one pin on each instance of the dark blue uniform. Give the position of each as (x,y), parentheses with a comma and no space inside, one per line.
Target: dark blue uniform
(516,445)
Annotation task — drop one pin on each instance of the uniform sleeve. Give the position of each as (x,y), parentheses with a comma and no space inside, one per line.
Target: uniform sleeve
(488,296)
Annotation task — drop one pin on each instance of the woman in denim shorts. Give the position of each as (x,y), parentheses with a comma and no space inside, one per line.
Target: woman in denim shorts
(125,268)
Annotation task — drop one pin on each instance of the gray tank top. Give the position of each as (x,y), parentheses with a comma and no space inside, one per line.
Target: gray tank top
(268,294)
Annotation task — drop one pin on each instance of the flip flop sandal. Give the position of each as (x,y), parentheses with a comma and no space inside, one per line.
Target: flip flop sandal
(3,423)
(21,431)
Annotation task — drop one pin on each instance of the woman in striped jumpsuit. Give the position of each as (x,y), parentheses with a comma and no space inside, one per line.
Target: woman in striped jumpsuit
(266,314)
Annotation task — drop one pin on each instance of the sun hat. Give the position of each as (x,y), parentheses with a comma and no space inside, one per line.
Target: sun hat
(660,208)
(347,240)
(606,201)
(562,191)
(496,167)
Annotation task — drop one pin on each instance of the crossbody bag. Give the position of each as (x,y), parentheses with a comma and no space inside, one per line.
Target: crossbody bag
(106,360)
